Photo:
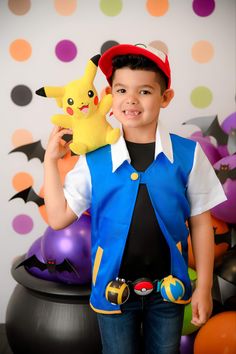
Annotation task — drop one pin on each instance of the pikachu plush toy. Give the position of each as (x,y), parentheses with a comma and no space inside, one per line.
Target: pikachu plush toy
(84,114)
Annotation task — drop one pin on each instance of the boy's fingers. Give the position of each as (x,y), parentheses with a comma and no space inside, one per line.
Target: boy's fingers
(196,323)
(59,132)
(65,131)
(195,314)
(198,318)
(194,309)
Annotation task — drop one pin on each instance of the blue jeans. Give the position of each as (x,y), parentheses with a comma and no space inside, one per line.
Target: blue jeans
(147,325)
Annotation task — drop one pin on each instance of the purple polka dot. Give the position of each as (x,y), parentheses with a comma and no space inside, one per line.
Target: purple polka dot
(22,224)
(66,50)
(203,8)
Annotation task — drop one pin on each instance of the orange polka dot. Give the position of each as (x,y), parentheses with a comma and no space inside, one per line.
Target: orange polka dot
(157,7)
(65,8)
(22,180)
(202,51)
(21,137)
(20,50)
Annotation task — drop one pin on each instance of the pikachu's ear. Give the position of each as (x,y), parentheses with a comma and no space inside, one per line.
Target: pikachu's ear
(51,91)
(91,69)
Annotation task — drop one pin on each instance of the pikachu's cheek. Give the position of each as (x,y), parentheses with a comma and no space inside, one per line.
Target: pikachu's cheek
(96,100)
(70,111)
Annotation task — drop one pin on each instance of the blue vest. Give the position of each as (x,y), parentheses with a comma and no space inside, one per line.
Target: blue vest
(113,199)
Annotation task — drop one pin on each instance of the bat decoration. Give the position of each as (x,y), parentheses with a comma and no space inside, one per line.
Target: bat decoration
(51,266)
(32,150)
(222,238)
(29,195)
(210,126)
(224,173)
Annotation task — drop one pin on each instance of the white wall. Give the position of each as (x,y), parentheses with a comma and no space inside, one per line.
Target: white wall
(88,27)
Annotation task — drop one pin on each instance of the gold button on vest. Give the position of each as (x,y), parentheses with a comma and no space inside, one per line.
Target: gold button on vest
(134,176)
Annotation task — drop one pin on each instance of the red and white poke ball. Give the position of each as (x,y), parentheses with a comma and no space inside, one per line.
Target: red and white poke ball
(143,287)
(172,289)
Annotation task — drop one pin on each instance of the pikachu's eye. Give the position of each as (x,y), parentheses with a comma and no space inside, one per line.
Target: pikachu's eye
(90,93)
(70,101)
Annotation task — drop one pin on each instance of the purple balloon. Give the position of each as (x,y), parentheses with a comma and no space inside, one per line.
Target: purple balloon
(186,344)
(226,211)
(229,123)
(35,250)
(74,244)
(209,149)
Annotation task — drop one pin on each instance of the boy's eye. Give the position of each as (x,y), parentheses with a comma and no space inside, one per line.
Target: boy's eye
(70,101)
(121,90)
(145,92)
(90,93)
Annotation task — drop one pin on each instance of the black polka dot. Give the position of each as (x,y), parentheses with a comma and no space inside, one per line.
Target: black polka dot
(21,95)
(107,45)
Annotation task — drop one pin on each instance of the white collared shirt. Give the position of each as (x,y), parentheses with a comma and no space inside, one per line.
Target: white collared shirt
(204,189)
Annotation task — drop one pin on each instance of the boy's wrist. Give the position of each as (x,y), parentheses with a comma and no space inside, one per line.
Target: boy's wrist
(204,287)
(49,160)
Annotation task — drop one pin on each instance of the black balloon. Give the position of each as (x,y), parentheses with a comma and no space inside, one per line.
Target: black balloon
(227,269)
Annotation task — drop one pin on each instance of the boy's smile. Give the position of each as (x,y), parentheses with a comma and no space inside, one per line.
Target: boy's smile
(137,101)
(131,113)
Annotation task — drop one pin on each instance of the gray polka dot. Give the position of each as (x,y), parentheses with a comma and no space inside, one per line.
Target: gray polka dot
(107,45)
(21,95)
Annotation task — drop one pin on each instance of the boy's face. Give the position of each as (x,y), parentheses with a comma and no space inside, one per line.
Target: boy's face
(137,101)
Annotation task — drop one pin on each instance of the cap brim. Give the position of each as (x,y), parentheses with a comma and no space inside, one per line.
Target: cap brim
(105,62)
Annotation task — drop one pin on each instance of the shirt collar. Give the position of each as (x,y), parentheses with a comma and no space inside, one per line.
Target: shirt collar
(119,151)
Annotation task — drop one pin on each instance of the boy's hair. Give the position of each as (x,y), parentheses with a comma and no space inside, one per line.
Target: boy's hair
(139,62)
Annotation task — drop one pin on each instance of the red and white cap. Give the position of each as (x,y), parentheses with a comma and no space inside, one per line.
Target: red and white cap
(157,56)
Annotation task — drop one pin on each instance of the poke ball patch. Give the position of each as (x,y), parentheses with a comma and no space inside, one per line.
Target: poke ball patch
(143,287)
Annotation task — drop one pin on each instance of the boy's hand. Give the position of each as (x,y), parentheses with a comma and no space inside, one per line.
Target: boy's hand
(57,147)
(201,306)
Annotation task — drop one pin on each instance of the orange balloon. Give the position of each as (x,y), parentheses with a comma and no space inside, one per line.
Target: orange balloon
(218,335)
(220,229)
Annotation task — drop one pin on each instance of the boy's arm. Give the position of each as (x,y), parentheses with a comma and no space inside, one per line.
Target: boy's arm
(202,235)
(59,213)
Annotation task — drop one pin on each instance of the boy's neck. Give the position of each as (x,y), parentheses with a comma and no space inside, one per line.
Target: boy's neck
(140,135)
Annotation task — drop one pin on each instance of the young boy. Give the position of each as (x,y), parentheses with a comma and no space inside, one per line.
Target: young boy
(143,192)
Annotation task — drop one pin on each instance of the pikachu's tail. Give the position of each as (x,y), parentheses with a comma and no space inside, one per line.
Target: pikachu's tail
(41,92)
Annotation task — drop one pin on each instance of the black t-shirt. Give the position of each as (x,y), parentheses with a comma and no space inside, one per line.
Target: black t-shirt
(146,251)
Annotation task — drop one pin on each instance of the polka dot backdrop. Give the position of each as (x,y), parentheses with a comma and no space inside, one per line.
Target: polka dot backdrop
(49,43)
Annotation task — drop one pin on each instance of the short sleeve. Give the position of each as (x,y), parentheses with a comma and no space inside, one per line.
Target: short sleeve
(204,189)
(77,187)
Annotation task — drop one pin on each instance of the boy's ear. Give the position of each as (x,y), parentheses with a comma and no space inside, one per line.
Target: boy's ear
(167,97)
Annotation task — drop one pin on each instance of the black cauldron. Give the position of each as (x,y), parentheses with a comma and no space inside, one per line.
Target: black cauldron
(46,317)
